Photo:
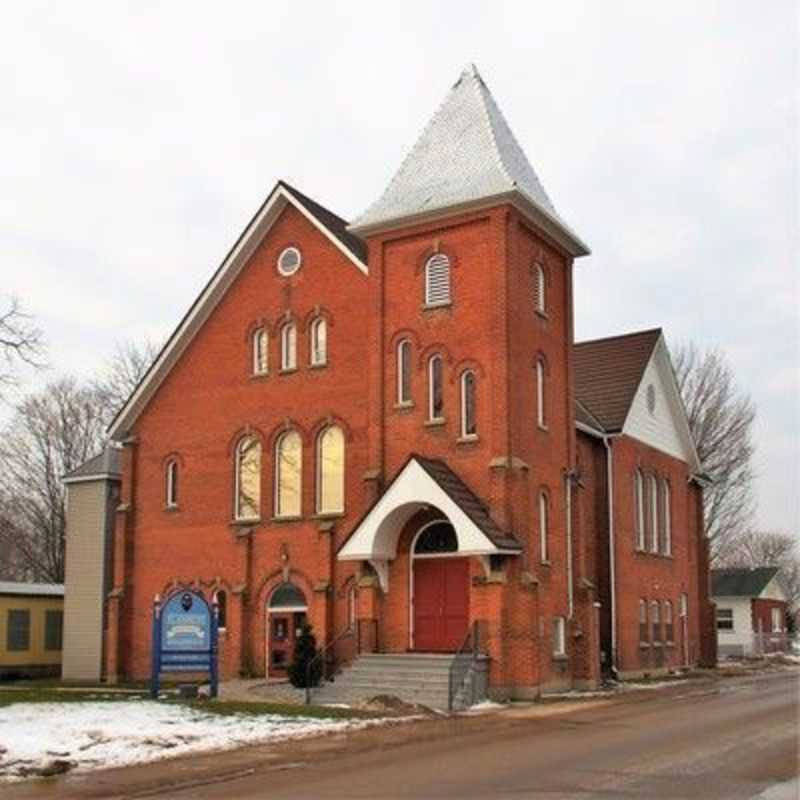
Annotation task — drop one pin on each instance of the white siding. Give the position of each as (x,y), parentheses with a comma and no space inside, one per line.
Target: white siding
(742,633)
(662,429)
(84,589)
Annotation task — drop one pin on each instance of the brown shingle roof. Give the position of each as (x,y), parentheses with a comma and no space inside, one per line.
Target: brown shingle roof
(608,373)
(468,501)
(333,222)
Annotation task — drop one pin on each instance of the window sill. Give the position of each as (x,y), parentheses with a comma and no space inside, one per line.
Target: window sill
(670,644)
(542,428)
(321,365)
(541,313)
(644,645)
(245,523)
(658,644)
(406,405)
(296,518)
(287,370)
(560,657)
(471,438)
(435,306)
(435,423)
(325,515)
(171,509)
(546,562)
(258,376)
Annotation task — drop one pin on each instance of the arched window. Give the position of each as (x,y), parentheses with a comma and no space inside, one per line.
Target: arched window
(435,539)
(287,597)
(437,280)
(666,519)
(670,633)
(288,475)
(435,389)
(469,424)
(289,346)
(652,485)
(260,352)
(539,289)
(644,633)
(403,372)
(172,483)
(222,609)
(319,342)
(655,620)
(248,479)
(638,509)
(544,524)
(540,394)
(330,471)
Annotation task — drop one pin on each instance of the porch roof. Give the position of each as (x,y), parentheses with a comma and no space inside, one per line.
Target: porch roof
(424,483)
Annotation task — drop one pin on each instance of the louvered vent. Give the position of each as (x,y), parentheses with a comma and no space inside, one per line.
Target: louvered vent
(437,280)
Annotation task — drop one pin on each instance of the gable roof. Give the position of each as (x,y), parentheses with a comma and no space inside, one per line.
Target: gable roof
(742,582)
(103,465)
(468,502)
(608,373)
(466,153)
(333,227)
(423,483)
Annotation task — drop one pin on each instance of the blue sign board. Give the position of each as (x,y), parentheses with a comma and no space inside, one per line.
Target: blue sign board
(184,637)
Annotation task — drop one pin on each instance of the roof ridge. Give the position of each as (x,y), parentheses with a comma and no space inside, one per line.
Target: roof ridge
(628,335)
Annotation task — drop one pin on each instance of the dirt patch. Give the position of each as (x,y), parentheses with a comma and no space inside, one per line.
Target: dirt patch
(390,705)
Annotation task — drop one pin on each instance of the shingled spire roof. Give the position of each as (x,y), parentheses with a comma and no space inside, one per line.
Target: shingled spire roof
(466,154)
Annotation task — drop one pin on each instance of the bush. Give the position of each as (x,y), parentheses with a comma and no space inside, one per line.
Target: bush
(305,651)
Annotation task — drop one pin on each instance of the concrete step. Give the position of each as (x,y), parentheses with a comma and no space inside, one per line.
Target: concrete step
(414,678)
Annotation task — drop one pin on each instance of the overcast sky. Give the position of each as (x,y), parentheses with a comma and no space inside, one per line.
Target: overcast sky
(137,140)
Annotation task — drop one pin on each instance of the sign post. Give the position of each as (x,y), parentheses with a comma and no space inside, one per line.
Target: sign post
(185,630)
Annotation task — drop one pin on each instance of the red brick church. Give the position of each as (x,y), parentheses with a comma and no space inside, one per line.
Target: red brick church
(386,428)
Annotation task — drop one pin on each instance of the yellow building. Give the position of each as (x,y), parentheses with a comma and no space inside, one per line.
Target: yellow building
(31,629)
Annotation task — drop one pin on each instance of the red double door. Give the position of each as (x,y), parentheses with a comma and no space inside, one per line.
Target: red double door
(441,603)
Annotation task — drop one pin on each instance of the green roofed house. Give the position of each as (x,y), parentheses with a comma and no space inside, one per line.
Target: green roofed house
(751,610)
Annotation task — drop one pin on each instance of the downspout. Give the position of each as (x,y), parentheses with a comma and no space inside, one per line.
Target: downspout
(612,569)
(570,604)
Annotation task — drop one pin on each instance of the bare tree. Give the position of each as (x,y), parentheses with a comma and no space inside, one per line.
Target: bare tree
(122,373)
(21,342)
(755,548)
(51,432)
(721,420)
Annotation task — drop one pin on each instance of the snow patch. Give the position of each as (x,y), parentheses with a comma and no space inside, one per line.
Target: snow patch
(97,735)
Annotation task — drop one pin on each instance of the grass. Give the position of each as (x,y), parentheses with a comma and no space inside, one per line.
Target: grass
(53,692)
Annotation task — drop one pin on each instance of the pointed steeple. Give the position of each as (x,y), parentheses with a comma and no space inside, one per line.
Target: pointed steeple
(465,155)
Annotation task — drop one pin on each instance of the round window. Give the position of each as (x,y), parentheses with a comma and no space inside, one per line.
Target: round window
(651,398)
(289,261)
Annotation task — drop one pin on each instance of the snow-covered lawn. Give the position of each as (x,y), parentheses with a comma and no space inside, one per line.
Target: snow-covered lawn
(96,735)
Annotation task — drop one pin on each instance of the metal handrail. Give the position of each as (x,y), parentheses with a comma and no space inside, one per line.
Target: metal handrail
(470,646)
(321,653)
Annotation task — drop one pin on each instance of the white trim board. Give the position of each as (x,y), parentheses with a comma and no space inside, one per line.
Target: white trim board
(211,295)
(375,539)
(667,427)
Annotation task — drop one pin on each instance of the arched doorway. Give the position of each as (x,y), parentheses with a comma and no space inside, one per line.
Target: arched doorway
(439,590)
(286,615)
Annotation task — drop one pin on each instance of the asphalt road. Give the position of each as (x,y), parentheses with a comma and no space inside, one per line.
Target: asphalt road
(730,739)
